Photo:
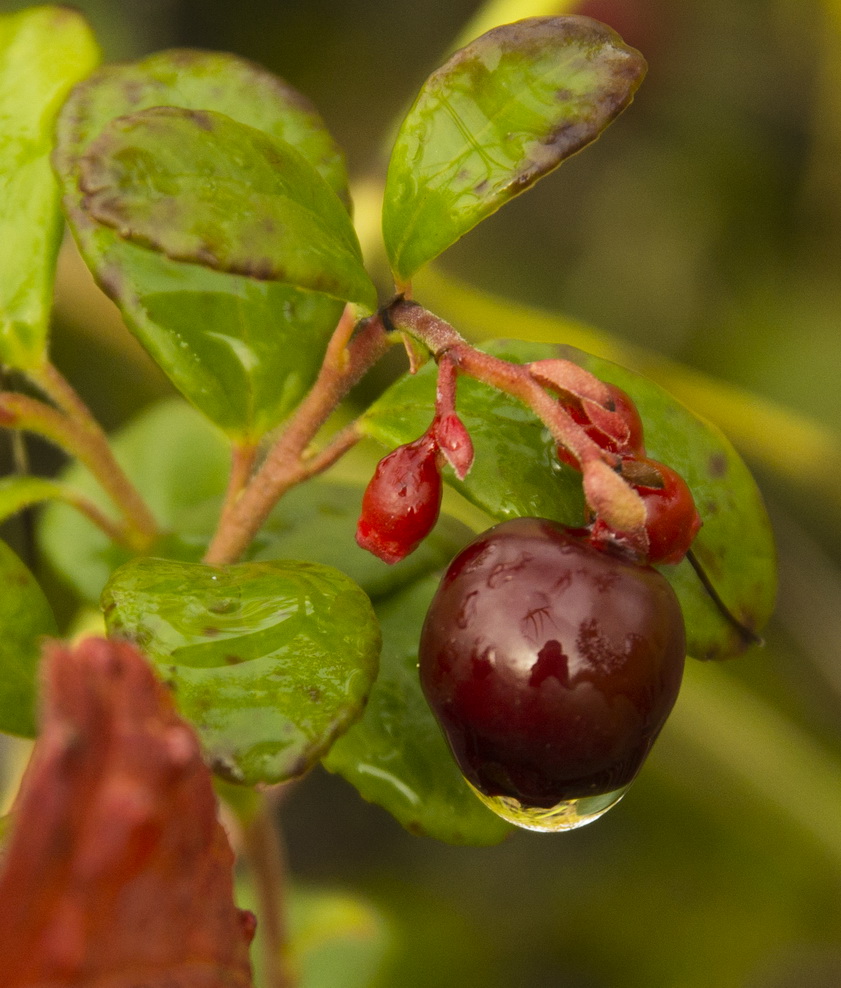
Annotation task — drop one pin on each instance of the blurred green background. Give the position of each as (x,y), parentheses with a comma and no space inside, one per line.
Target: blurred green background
(700,238)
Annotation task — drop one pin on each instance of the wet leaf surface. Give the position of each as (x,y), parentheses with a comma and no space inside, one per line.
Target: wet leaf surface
(270,661)
(202,188)
(243,351)
(396,755)
(117,871)
(501,113)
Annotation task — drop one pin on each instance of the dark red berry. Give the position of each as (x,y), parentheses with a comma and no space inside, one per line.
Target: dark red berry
(619,431)
(401,503)
(550,664)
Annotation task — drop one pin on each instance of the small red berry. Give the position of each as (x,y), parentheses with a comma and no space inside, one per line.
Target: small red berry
(672,520)
(401,503)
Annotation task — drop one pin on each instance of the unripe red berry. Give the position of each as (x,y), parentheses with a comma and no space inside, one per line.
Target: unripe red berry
(401,502)
(672,520)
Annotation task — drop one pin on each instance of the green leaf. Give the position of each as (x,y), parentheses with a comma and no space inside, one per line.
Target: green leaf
(269,661)
(25,616)
(243,351)
(201,187)
(501,113)
(43,52)
(516,473)
(396,755)
(317,521)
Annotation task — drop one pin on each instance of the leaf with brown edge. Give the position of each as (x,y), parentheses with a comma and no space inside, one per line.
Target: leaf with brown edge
(117,872)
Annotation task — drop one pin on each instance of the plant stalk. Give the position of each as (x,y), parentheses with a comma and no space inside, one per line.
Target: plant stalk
(82,436)
(286,463)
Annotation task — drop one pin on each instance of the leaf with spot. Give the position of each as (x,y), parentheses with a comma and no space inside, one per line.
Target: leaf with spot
(243,351)
(200,187)
(25,617)
(396,755)
(270,661)
(501,113)
(43,52)
(516,473)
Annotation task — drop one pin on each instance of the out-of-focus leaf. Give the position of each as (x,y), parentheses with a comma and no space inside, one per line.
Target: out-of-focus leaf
(25,616)
(501,113)
(19,492)
(334,938)
(180,463)
(43,52)
(396,755)
(317,521)
(270,661)
(117,871)
(243,351)
(202,188)
(516,473)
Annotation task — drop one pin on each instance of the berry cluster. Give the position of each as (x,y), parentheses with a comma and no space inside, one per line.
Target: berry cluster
(550,656)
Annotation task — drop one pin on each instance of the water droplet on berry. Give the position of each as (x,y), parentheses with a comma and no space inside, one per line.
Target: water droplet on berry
(567,815)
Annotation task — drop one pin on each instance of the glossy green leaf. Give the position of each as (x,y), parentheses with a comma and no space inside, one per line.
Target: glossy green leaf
(501,113)
(269,661)
(43,52)
(396,755)
(515,473)
(202,188)
(25,616)
(243,351)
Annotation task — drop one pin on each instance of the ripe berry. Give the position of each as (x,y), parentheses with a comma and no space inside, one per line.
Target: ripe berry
(550,664)
(401,502)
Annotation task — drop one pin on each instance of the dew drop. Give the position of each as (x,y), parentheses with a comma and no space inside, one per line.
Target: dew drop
(567,815)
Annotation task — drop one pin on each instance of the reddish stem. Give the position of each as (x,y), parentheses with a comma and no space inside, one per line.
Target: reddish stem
(285,465)
(449,347)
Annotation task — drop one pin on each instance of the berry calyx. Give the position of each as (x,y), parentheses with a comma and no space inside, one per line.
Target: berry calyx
(616,428)
(550,664)
(401,502)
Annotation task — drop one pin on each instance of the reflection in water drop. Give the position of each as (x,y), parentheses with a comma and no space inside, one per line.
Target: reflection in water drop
(568,815)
